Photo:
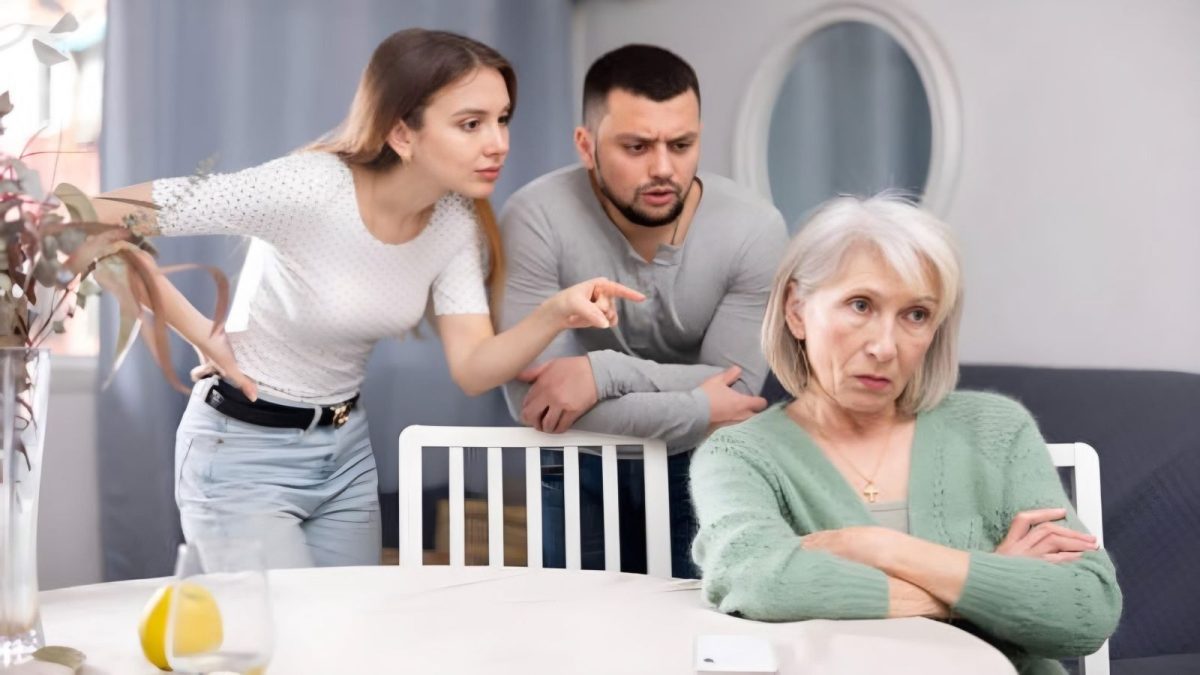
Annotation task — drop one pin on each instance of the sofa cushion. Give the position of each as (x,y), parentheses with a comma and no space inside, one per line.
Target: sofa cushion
(1145,426)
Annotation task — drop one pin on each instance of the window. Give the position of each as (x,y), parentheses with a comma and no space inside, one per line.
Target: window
(57,112)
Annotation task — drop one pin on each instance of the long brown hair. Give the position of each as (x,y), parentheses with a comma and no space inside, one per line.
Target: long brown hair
(404,73)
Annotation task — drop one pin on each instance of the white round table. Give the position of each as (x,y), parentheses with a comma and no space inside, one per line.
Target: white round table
(336,621)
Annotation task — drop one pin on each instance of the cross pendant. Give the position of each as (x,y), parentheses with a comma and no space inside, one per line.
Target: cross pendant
(871,492)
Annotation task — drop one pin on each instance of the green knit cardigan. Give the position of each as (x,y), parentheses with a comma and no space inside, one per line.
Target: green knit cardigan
(977,460)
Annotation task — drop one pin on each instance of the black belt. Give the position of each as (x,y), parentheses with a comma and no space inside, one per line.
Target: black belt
(229,400)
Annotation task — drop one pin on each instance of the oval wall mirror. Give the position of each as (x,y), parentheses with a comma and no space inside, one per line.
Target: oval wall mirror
(852,101)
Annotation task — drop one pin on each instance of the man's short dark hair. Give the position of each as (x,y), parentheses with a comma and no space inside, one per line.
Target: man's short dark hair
(643,70)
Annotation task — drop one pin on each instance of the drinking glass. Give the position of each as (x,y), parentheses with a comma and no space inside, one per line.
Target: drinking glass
(220,611)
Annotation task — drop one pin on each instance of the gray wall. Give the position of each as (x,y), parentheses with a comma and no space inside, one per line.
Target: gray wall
(1080,159)
(68,508)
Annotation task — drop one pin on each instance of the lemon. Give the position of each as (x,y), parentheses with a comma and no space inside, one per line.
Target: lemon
(197,628)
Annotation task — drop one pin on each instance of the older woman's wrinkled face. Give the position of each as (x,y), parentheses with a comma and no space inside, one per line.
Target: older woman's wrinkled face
(866,331)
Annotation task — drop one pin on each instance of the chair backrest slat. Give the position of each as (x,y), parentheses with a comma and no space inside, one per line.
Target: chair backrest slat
(1084,463)
(495,497)
(1085,481)
(458,520)
(533,507)
(416,439)
(571,506)
(658,514)
(612,511)
(411,493)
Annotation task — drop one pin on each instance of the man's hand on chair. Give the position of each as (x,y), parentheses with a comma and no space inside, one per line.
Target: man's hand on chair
(727,405)
(562,391)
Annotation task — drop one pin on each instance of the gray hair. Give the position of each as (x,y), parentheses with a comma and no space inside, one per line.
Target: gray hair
(913,242)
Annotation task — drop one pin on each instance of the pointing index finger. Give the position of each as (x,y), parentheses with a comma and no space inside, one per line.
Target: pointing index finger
(613,289)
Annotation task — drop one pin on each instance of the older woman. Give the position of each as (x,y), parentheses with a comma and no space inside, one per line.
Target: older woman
(879,491)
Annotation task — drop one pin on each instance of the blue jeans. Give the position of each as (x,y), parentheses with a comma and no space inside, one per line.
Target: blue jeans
(310,496)
(631,498)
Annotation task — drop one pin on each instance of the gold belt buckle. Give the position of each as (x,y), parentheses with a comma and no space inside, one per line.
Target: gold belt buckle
(341,415)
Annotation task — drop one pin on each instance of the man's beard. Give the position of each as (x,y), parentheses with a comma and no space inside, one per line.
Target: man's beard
(631,212)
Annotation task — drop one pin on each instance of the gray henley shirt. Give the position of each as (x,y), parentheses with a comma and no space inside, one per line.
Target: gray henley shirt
(705,300)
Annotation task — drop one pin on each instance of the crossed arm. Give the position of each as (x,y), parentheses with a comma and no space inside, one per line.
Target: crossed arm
(1044,587)
(614,392)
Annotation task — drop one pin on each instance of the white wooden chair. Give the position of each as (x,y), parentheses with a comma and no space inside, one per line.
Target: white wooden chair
(415,438)
(1085,486)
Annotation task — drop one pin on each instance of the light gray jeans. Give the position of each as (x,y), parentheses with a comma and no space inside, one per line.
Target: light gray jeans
(309,496)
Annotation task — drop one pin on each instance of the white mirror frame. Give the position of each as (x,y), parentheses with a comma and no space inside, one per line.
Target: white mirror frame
(752,130)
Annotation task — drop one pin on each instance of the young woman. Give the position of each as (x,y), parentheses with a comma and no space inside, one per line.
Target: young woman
(364,229)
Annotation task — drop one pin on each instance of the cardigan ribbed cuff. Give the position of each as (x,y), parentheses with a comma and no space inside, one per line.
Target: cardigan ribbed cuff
(862,592)
(992,582)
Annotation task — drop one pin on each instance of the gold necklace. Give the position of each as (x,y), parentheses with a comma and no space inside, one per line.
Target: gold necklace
(869,491)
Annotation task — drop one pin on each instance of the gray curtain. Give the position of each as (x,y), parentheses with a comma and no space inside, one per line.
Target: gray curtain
(245,82)
(852,117)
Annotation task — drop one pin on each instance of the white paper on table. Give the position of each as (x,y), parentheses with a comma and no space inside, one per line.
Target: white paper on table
(735,655)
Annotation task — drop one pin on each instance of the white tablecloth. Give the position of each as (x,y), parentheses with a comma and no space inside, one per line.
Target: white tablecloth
(337,621)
